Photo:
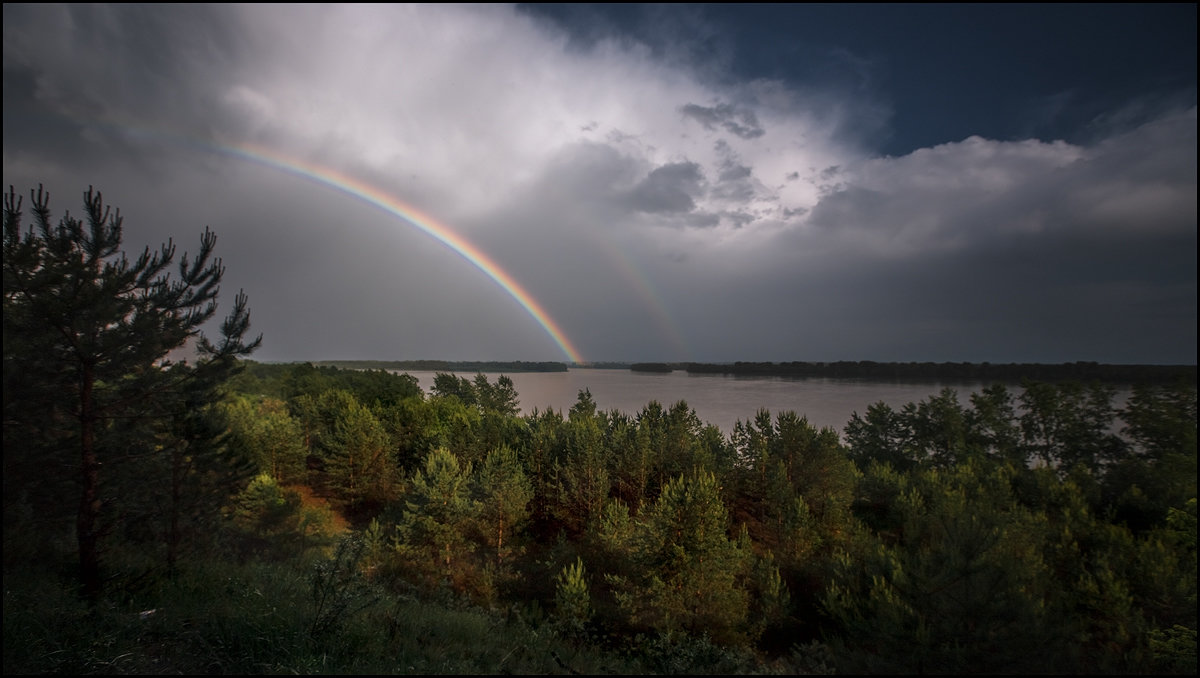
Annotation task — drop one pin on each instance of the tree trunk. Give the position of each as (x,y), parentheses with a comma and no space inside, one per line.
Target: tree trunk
(174,532)
(89,500)
(500,541)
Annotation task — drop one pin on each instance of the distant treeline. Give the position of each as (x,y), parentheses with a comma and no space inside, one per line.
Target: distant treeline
(445,365)
(652,367)
(1010,372)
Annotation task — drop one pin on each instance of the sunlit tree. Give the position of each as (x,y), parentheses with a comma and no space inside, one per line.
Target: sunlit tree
(689,572)
(434,531)
(265,432)
(504,494)
(582,473)
(361,462)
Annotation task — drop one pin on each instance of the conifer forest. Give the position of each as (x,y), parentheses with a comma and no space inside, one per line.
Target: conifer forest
(221,515)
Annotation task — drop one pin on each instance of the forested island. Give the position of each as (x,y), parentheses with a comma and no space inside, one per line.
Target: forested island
(446,365)
(228,516)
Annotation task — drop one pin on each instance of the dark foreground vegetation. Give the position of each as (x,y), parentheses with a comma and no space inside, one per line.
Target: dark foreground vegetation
(237,517)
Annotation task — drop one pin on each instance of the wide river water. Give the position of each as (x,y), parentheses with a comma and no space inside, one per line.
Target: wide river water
(718,399)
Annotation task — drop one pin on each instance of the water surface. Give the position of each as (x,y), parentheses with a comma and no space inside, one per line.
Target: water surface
(717,399)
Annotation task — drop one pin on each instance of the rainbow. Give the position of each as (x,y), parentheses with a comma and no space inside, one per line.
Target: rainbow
(340,181)
(646,290)
(440,232)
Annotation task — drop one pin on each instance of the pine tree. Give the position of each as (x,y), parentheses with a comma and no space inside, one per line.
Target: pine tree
(433,531)
(573,602)
(505,493)
(689,572)
(963,588)
(583,472)
(86,334)
(360,460)
(263,431)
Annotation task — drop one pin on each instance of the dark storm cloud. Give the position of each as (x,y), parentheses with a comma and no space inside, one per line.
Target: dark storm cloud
(701,219)
(734,184)
(738,219)
(1081,251)
(158,61)
(670,188)
(737,121)
(732,172)
(1141,183)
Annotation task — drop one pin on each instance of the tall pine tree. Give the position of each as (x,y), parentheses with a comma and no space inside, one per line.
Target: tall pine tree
(86,335)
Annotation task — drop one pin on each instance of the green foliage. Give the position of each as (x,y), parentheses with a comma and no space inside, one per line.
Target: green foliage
(251,619)
(689,573)
(679,435)
(263,430)
(504,494)
(938,428)
(614,535)
(926,543)
(273,522)
(293,380)
(413,431)
(1162,420)
(1173,650)
(992,427)
(1183,522)
(584,407)
(1011,534)
(794,494)
(339,589)
(1069,424)
(582,472)
(671,440)
(545,447)
(572,600)
(1160,472)
(196,471)
(882,435)
(965,588)
(678,654)
(877,504)
(360,460)
(499,398)
(330,407)
(449,386)
(772,600)
(456,427)
(433,533)
(632,459)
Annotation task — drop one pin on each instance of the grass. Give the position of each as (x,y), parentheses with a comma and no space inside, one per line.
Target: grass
(221,618)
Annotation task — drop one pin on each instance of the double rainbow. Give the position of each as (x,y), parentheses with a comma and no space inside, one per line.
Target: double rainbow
(390,204)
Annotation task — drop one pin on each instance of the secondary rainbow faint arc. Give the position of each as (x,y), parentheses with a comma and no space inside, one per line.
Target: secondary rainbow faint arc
(429,225)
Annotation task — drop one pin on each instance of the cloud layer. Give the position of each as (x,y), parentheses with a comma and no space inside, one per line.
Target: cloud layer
(656,210)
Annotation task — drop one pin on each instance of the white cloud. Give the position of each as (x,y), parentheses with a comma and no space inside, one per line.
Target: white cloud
(483,98)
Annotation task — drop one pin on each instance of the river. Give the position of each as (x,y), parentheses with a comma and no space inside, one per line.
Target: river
(717,399)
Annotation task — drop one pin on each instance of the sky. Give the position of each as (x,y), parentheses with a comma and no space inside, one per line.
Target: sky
(593,183)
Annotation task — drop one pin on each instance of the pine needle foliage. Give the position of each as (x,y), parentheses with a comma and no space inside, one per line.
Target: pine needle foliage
(87,332)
